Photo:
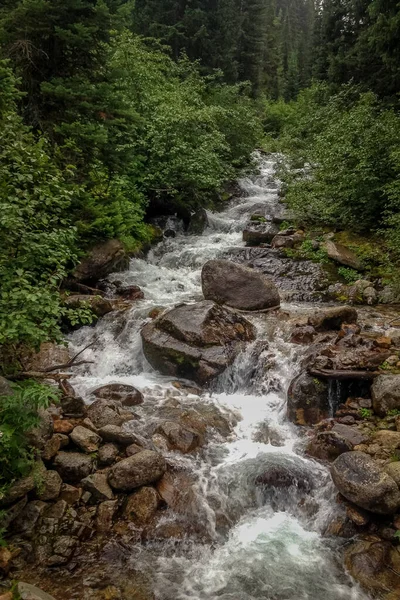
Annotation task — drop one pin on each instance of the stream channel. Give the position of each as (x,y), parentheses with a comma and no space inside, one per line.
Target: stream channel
(262,542)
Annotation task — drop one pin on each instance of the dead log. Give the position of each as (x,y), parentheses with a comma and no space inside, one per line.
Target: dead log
(342,374)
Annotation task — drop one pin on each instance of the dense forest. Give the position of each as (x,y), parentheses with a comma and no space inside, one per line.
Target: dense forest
(113,112)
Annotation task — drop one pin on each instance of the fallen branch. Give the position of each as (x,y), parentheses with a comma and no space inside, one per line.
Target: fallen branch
(72,362)
(41,375)
(343,374)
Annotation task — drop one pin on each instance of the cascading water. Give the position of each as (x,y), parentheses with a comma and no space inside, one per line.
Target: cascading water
(263,504)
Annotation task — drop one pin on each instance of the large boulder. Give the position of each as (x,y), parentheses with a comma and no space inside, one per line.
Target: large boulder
(257,233)
(102,260)
(308,400)
(333,318)
(196,341)
(342,255)
(126,394)
(362,481)
(73,466)
(237,286)
(375,564)
(140,469)
(386,394)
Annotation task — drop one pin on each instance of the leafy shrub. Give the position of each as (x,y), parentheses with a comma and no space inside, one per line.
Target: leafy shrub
(349,275)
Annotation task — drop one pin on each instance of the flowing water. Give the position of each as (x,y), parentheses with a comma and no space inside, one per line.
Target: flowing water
(263,541)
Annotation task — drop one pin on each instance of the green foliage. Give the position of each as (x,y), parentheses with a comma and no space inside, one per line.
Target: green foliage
(393,413)
(349,275)
(365,413)
(19,414)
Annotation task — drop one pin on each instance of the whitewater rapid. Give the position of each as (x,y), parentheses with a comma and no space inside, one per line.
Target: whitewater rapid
(274,547)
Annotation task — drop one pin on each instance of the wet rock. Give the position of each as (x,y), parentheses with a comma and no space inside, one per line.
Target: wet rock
(49,487)
(257,233)
(281,476)
(357,515)
(72,406)
(73,466)
(341,527)
(177,491)
(142,505)
(374,563)
(140,469)
(126,394)
(63,427)
(98,305)
(104,412)
(101,260)
(130,292)
(237,286)
(327,445)
(303,334)
(360,479)
(105,515)
(50,448)
(85,439)
(107,454)
(113,433)
(133,449)
(385,394)
(179,438)
(308,400)
(70,494)
(342,255)
(97,485)
(350,434)
(333,318)
(198,222)
(195,341)
(27,591)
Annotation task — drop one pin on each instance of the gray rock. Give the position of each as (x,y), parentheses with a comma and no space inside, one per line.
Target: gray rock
(38,436)
(73,466)
(72,406)
(51,447)
(113,433)
(18,489)
(85,439)
(237,286)
(26,521)
(105,515)
(102,260)
(179,438)
(142,505)
(350,434)
(63,548)
(104,412)
(98,486)
(50,486)
(362,481)
(198,221)
(5,387)
(70,494)
(393,470)
(27,591)
(107,454)
(342,255)
(12,512)
(140,469)
(308,401)
(257,233)
(332,318)
(385,394)
(126,394)
(196,341)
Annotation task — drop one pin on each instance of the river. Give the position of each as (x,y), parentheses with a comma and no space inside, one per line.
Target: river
(271,544)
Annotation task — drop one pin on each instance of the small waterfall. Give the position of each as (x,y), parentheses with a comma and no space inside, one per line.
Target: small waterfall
(264,505)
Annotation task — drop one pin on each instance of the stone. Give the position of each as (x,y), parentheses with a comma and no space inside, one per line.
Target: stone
(179,438)
(389,440)
(7,596)
(49,487)
(135,471)
(51,447)
(85,439)
(56,510)
(327,445)
(27,591)
(72,406)
(303,334)
(342,255)
(357,515)
(374,563)
(350,434)
(97,485)
(63,439)
(38,436)
(126,394)
(370,295)
(385,393)
(26,521)
(237,286)
(332,318)
(130,292)
(108,454)
(104,412)
(63,548)
(70,494)
(105,515)
(63,427)
(98,305)
(18,489)
(5,560)
(5,387)
(383,342)
(198,221)
(103,259)
(308,401)
(73,466)
(393,470)
(197,341)
(49,355)
(113,433)
(12,512)
(362,481)
(142,505)
(256,233)
(133,449)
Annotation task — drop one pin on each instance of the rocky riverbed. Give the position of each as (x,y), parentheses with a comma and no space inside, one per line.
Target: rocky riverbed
(228,436)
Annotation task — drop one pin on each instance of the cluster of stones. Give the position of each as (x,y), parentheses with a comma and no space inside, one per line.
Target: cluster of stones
(359,435)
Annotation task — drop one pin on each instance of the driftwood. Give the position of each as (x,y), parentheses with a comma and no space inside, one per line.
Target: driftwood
(41,375)
(343,374)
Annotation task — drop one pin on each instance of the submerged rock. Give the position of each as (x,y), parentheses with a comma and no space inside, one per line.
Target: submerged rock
(196,341)
(362,481)
(237,286)
(308,400)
